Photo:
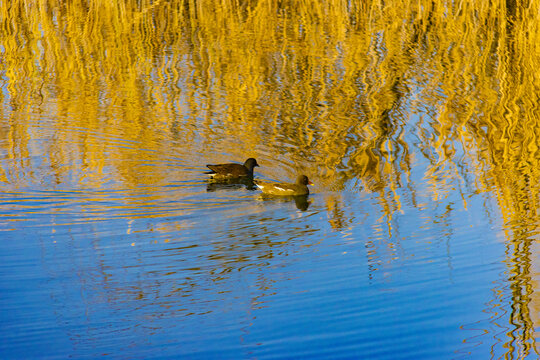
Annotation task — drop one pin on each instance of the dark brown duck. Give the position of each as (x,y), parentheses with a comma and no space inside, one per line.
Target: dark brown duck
(231,171)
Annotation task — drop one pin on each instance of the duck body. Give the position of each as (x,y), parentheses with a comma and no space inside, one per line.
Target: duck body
(300,187)
(232,171)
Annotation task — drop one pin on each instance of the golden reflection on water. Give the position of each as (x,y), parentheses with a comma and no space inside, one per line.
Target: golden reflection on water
(339,100)
(95,92)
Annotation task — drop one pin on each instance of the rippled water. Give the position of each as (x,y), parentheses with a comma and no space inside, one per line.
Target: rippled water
(420,237)
(174,269)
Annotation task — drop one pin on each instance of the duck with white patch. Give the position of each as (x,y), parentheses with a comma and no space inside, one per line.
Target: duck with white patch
(300,187)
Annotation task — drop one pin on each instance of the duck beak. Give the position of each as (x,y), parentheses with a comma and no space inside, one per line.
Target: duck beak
(310,183)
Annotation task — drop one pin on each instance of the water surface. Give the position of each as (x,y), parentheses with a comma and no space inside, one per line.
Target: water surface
(420,237)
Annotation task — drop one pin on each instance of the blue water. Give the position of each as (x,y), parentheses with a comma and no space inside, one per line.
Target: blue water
(176,271)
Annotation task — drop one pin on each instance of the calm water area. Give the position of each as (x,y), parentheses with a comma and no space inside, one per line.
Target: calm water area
(417,123)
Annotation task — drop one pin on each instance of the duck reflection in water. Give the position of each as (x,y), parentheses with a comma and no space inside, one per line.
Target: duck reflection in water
(230,184)
(302,202)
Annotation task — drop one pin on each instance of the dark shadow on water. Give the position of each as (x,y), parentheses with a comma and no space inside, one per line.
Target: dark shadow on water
(301,201)
(230,184)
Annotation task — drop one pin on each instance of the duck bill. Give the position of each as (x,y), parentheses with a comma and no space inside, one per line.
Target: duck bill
(310,183)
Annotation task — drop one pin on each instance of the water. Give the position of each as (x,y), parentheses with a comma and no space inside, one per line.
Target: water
(175,270)
(419,239)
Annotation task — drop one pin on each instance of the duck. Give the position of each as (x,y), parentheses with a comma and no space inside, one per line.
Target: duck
(231,170)
(299,188)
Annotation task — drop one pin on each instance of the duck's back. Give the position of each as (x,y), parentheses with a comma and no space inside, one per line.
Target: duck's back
(283,189)
(228,170)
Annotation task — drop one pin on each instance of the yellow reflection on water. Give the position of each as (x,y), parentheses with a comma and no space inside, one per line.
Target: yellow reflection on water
(93,91)
(321,81)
